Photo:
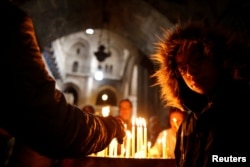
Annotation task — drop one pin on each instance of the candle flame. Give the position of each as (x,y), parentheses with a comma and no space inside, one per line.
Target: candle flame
(128,134)
(133,120)
(149,144)
(125,126)
(144,123)
(175,123)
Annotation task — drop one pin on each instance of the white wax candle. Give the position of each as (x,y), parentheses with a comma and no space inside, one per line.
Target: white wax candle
(111,148)
(137,135)
(106,152)
(164,145)
(100,153)
(128,145)
(148,147)
(122,150)
(133,136)
(145,136)
(115,147)
(141,126)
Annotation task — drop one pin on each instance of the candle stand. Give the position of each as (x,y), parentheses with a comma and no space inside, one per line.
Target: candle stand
(122,162)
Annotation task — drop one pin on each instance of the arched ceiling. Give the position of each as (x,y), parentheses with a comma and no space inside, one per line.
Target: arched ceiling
(139,21)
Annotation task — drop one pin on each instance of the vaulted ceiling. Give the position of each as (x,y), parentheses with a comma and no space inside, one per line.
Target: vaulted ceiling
(139,21)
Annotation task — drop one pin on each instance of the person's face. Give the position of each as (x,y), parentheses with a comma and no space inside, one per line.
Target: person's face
(197,70)
(176,119)
(125,110)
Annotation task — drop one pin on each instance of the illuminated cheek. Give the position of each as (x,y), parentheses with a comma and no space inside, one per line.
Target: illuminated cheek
(187,80)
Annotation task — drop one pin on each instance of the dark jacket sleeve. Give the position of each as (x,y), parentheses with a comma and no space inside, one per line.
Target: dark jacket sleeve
(37,113)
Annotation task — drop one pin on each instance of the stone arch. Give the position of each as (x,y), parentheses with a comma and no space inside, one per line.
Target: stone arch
(72,89)
(110,92)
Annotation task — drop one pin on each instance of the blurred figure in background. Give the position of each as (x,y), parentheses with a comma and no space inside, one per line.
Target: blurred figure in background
(167,137)
(155,127)
(89,109)
(125,112)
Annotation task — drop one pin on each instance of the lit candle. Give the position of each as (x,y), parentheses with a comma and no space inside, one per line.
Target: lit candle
(141,134)
(175,123)
(128,145)
(100,153)
(137,135)
(133,136)
(164,145)
(115,147)
(111,149)
(145,136)
(123,151)
(149,147)
(106,152)
(122,146)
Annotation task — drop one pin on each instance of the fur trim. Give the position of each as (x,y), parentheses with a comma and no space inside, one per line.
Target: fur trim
(214,42)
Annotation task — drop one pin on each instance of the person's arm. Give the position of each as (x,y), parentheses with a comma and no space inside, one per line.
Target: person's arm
(40,116)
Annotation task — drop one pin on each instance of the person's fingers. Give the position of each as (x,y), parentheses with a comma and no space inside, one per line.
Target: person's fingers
(120,140)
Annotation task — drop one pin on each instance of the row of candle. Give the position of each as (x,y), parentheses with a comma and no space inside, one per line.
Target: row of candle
(135,142)
(139,133)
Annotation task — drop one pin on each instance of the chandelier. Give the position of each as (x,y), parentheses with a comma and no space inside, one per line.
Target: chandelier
(101,53)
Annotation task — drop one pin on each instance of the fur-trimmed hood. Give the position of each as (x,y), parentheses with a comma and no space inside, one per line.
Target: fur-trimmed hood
(225,48)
